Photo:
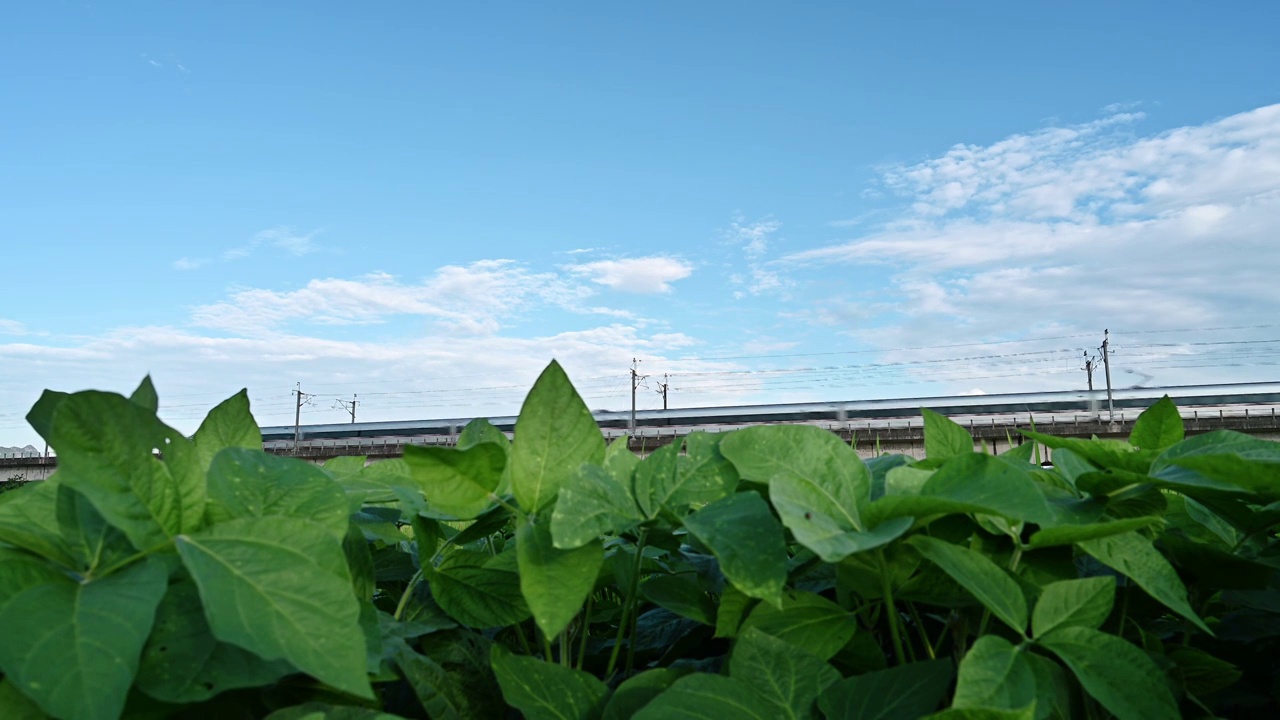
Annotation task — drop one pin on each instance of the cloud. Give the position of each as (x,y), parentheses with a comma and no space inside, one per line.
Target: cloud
(280,237)
(635,275)
(475,298)
(753,237)
(185,263)
(1080,228)
(12,327)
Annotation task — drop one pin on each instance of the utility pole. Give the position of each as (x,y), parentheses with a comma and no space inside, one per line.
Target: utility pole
(663,391)
(349,406)
(1090,364)
(636,377)
(300,399)
(1106,366)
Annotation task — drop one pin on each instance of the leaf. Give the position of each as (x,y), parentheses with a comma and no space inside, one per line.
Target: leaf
(73,647)
(1054,691)
(702,696)
(29,520)
(359,563)
(1120,676)
(704,473)
(1026,713)
(458,483)
(810,466)
(229,424)
(1202,673)
(279,587)
(1158,427)
(1074,603)
(973,483)
(682,595)
(806,620)
(747,540)
(1133,555)
(323,711)
(733,607)
(453,679)
(979,575)
(345,468)
(555,583)
(252,484)
(542,691)
(620,462)
(1072,534)
(479,597)
(40,417)
(592,502)
(1223,459)
(654,477)
(184,663)
(786,677)
(105,447)
(479,431)
(145,396)
(92,540)
(484,526)
(943,438)
(555,433)
(637,691)
(16,706)
(901,693)
(1113,454)
(993,674)
(906,480)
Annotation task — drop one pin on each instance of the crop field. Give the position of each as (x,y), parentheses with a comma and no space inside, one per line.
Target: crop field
(762,573)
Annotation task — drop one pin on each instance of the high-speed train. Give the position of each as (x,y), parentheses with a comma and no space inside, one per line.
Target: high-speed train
(1068,401)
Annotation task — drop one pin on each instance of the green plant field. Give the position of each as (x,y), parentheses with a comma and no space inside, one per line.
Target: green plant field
(763,573)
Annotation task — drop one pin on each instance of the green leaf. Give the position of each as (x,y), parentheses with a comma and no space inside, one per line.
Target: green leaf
(593,502)
(682,595)
(458,483)
(1072,534)
(346,467)
(279,587)
(702,696)
(252,484)
(979,575)
(704,474)
(228,425)
(29,520)
(479,431)
(105,447)
(93,541)
(943,438)
(484,526)
(16,706)
(1202,673)
(184,663)
(1114,454)
(637,691)
(1133,555)
(1158,427)
(555,583)
(1120,676)
(453,678)
(654,477)
(40,417)
(73,647)
(733,607)
(1074,603)
(542,691)
(786,677)
(901,693)
(323,711)
(620,461)
(993,674)
(359,563)
(747,540)
(1054,691)
(1223,459)
(1026,713)
(973,483)
(145,396)
(906,480)
(555,434)
(479,597)
(807,464)
(806,620)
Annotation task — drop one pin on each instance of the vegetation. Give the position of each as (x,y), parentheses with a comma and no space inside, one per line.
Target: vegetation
(763,573)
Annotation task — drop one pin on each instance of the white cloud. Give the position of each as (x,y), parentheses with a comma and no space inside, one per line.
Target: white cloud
(185,263)
(280,237)
(636,275)
(475,299)
(12,327)
(753,237)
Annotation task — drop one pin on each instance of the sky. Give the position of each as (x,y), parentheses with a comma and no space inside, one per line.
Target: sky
(419,205)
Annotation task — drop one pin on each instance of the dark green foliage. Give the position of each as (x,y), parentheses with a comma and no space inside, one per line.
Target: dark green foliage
(763,573)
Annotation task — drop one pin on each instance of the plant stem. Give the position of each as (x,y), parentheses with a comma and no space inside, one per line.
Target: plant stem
(524,640)
(887,589)
(129,560)
(586,631)
(408,591)
(546,646)
(623,620)
(566,655)
(924,637)
(511,508)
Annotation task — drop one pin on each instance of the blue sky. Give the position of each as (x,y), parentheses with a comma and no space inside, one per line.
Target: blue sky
(423,203)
